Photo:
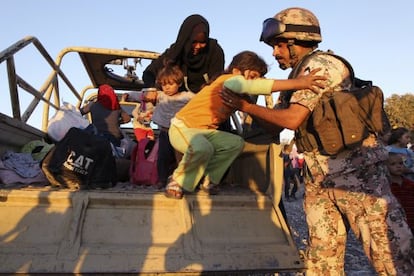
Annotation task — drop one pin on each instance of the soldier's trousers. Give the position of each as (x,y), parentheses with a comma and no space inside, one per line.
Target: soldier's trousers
(376,218)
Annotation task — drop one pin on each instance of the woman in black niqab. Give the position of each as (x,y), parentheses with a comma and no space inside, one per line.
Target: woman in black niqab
(198,67)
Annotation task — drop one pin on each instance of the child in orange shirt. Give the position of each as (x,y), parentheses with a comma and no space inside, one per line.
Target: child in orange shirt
(194,132)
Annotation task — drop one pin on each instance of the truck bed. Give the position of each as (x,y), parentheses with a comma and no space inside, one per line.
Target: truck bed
(136,229)
(131,229)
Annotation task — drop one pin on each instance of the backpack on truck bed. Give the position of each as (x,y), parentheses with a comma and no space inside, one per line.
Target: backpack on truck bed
(81,160)
(143,167)
(342,119)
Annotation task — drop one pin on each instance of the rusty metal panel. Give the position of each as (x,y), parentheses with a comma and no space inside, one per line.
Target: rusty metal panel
(14,134)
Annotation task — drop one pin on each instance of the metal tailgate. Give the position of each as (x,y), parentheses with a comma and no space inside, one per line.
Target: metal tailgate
(45,231)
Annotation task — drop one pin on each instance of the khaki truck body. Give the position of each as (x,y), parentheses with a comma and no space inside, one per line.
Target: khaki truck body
(132,230)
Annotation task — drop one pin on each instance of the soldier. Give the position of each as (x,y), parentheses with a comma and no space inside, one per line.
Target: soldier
(351,187)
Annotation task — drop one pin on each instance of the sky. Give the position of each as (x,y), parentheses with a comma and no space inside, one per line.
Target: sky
(376,37)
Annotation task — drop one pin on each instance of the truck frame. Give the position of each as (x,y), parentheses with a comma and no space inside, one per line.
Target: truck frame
(134,230)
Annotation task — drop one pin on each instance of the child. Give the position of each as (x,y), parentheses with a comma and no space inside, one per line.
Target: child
(207,151)
(168,102)
(401,187)
(141,123)
(142,116)
(398,143)
(288,174)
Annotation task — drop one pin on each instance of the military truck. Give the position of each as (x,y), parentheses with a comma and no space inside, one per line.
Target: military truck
(137,230)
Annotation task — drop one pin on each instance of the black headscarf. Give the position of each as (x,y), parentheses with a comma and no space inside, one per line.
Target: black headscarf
(208,62)
(181,50)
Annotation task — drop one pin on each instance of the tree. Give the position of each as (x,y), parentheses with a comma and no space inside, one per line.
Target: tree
(400,110)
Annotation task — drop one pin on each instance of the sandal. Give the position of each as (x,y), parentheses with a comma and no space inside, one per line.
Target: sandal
(174,190)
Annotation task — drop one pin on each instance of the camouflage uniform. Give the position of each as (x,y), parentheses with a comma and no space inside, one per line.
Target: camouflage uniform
(354,186)
(351,189)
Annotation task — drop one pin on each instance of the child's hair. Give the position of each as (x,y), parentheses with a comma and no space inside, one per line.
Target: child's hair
(248,60)
(393,158)
(396,134)
(170,74)
(393,155)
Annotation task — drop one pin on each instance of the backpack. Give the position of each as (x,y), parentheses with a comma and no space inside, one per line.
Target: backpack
(81,160)
(143,167)
(342,119)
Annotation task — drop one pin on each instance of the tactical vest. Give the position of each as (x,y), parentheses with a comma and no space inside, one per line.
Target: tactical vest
(342,119)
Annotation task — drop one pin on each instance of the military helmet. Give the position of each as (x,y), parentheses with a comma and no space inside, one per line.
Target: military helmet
(291,23)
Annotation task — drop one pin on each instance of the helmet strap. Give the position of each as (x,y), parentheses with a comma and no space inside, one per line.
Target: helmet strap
(292,52)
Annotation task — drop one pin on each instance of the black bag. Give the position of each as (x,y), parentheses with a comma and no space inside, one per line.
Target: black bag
(81,160)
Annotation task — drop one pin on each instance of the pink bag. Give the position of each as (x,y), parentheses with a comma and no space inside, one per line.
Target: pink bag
(143,169)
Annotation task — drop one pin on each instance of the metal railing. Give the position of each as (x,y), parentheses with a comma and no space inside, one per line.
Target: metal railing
(49,91)
(15,81)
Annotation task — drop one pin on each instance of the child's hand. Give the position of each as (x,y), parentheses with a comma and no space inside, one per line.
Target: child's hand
(312,81)
(150,96)
(124,97)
